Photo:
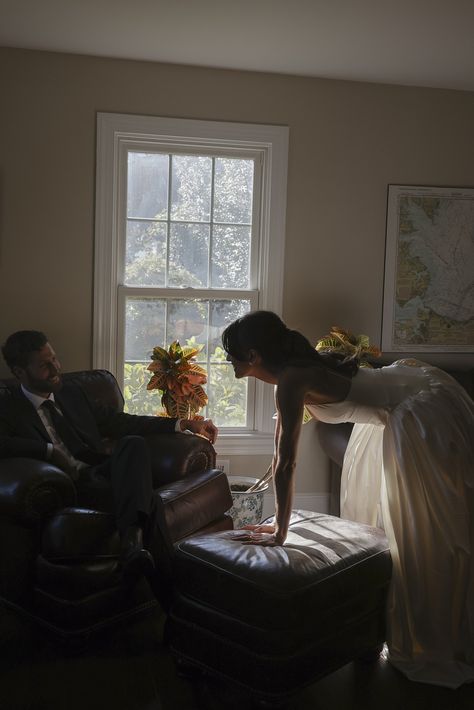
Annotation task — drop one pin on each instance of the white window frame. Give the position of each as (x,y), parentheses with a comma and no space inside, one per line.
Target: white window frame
(115,133)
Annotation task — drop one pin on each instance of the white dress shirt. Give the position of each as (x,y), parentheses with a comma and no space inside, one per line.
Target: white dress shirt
(37,402)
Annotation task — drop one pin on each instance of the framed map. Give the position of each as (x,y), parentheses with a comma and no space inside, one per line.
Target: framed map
(429,270)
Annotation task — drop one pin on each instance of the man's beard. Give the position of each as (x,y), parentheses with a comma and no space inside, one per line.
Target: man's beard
(44,386)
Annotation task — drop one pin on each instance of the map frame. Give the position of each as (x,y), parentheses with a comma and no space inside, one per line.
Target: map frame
(391,342)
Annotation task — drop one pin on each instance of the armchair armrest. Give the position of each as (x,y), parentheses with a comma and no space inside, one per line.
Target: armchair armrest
(31,490)
(193,503)
(175,456)
(189,506)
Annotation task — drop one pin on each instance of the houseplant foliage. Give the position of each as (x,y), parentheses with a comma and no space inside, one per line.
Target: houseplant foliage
(179,379)
(350,346)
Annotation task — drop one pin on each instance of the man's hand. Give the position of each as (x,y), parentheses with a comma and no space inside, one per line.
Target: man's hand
(204,427)
(59,459)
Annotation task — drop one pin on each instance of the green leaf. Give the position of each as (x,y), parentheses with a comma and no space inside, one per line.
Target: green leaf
(175,350)
(160,354)
(189,352)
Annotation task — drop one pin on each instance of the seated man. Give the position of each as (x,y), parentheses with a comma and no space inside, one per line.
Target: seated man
(48,420)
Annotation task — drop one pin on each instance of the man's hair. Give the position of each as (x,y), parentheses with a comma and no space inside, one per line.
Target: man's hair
(19,346)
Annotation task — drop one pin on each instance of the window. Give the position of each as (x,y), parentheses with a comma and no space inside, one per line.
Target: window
(189,236)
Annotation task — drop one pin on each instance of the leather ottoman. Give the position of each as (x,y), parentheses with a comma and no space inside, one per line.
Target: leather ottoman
(273,619)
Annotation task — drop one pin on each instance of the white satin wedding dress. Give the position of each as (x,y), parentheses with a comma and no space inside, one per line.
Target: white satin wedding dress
(409,468)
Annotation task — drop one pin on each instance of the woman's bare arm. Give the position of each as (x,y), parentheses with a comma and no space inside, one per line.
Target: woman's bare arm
(289,402)
(292,390)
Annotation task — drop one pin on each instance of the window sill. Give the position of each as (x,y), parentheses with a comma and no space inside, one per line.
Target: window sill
(252,443)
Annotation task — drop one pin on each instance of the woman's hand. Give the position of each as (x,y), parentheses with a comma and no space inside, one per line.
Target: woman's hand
(259,528)
(263,535)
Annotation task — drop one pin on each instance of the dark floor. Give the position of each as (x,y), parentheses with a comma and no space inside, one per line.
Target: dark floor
(132,670)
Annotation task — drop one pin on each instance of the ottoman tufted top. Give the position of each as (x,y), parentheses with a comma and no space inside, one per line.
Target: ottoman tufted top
(325,561)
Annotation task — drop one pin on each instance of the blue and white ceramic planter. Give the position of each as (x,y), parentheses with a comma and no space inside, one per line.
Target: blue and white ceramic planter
(247,507)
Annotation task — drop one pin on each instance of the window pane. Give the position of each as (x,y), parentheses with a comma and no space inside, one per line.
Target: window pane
(144,327)
(189,255)
(138,400)
(230,266)
(227,396)
(147,186)
(233,188)
(222,313)
(191,188)
(187,322)
(145,254)
(196,322)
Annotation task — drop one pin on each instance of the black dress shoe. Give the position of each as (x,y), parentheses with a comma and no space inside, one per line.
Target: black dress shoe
(134,559)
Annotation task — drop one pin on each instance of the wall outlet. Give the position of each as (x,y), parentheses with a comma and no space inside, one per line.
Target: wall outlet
(223,465)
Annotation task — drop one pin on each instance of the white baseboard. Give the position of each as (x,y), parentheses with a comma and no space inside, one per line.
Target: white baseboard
(318,502)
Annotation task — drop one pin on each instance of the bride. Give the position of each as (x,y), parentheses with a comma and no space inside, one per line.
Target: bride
(408,468)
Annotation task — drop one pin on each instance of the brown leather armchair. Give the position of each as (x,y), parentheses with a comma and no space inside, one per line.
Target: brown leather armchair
(59,555)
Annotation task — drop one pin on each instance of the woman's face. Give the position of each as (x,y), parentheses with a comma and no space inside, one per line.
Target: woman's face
(241,367)
(253,367)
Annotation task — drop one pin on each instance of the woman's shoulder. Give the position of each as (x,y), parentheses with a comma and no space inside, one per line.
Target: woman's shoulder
(316,379)
(296,379)
(301,371)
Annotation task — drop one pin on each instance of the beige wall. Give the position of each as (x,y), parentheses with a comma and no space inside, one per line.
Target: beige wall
(347,142)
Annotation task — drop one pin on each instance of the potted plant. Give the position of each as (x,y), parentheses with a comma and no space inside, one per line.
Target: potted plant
(179,379)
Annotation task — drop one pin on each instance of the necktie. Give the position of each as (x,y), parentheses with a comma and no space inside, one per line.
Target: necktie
(65,431)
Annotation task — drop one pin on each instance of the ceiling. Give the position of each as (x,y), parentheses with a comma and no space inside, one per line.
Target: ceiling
(411,42)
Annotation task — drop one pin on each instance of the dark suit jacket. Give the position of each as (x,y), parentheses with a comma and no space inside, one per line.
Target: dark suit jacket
(22,432)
